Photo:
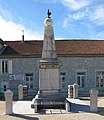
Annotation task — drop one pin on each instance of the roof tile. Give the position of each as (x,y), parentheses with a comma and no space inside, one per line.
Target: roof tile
(63,47)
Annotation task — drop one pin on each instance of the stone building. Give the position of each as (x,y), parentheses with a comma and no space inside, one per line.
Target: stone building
(82,63)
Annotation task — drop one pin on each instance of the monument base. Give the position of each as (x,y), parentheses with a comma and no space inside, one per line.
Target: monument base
(48,99)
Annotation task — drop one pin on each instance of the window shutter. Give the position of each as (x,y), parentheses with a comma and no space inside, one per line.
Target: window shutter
(10,66)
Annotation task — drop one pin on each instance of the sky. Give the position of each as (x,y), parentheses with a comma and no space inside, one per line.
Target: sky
(72,19)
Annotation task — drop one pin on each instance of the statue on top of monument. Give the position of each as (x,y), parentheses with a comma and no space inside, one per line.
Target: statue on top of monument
(49,13)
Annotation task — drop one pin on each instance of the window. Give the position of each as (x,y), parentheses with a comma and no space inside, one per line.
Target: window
(4,66)
(5,87)
(99,78)
(63,81)
(29,80)
(81,76)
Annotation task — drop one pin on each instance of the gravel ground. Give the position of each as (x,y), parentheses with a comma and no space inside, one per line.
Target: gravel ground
(69,116)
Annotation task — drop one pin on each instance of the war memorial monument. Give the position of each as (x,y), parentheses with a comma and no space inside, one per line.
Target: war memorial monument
(49,94)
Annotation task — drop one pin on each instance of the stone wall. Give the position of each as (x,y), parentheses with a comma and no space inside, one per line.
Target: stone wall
(21,66)
(91,64)
(70,65)
(27,65)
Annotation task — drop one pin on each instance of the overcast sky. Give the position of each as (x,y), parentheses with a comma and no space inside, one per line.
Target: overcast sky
(73,19)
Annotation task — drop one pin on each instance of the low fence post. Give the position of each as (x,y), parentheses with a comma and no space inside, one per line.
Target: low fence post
(9,102)
(35,107)
(93,100)
(67,106)
(20,92)
(75,91)
(70,91)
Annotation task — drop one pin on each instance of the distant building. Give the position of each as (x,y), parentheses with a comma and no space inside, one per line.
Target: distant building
(82,63)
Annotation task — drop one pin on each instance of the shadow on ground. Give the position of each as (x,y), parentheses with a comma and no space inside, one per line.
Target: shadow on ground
(76,108)
(101,111)
(24,117)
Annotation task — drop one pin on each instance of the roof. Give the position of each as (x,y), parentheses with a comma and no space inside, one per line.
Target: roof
(63,47)
(80,47)
(2,42)
(25,48)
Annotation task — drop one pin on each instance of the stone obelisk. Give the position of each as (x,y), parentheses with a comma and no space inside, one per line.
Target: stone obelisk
(49,95)
(49,64)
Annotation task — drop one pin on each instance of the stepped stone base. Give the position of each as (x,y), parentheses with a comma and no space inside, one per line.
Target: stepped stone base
(48,100)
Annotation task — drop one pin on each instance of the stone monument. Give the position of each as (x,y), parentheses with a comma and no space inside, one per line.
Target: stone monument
(49,64)
(49,94)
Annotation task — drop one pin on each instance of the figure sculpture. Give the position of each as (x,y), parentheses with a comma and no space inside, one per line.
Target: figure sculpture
(49,13)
